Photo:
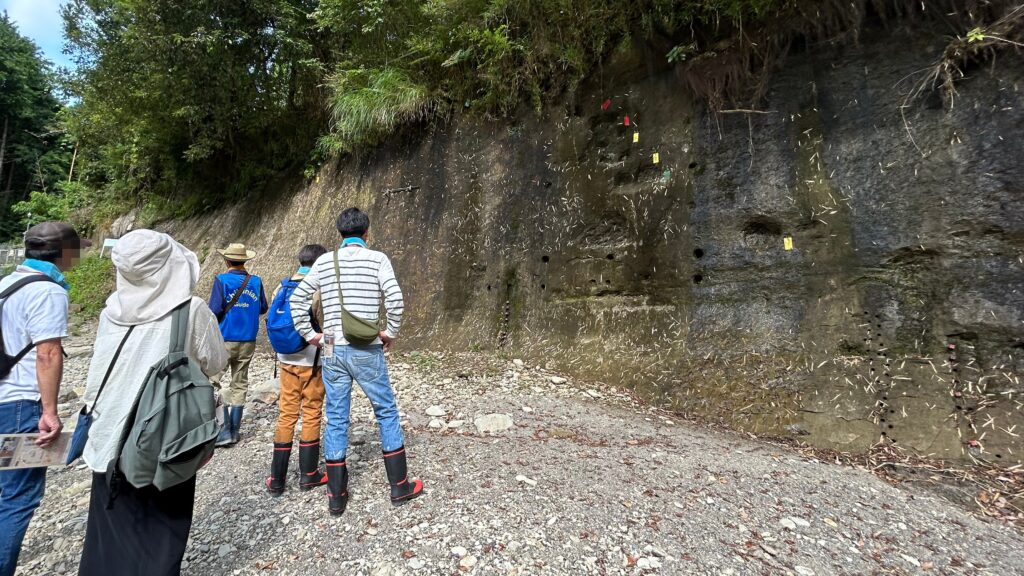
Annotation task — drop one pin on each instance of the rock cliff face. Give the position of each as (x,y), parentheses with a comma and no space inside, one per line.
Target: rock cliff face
(655,254)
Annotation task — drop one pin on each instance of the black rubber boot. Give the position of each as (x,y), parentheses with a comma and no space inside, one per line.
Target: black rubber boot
(309,466)
(236,423)
(279,468)
(224,437)
(402,489)
(337,487)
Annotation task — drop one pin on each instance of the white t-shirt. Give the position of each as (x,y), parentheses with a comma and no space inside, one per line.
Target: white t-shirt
(35,313)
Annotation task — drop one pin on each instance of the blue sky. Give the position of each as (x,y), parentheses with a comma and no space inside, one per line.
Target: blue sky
(40,21)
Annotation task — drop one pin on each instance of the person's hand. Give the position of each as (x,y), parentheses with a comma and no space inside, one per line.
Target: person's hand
(315,340)
(49,430)
(387,340)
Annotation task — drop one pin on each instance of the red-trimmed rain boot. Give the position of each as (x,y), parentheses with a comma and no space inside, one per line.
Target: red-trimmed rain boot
(337,487)
(402,489)
(309,466)
(278,468)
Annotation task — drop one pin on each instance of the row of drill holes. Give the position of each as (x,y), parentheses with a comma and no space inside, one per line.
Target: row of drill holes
(698,253)
(893,411)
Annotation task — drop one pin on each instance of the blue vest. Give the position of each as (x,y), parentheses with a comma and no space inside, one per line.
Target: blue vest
(242,322)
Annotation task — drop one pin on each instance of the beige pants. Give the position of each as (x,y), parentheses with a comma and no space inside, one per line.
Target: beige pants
(239,356)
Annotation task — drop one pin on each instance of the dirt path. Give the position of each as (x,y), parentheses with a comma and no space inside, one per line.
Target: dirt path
(584,482)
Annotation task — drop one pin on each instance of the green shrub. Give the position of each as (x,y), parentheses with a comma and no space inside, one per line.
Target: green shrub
(92,280)
(367,104)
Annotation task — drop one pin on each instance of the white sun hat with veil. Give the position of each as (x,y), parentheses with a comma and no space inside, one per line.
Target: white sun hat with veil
(154,275)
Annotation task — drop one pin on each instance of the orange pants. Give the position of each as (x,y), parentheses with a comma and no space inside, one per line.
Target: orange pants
(302,389)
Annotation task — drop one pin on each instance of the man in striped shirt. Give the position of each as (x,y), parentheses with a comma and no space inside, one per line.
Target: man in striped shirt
(360,280)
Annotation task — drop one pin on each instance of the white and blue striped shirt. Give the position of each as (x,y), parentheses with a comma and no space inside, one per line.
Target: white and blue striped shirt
(366,278)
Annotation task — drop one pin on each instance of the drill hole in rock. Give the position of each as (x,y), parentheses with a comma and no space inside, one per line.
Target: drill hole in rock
(545,259)
(543,286)
(488,287)
(698,253)
(698,278)
(610,257)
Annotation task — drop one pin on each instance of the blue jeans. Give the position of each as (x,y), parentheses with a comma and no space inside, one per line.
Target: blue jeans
(20,490)
(365,365)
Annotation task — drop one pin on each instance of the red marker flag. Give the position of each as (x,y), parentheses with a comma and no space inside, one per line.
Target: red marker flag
(606,104)
(626,120)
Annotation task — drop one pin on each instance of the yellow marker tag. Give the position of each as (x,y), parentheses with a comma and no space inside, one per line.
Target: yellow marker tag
(656,158)
(787,242)
(636,137)
(318,178)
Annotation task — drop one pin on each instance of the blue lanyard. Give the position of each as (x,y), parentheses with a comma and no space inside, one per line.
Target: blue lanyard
(351,241)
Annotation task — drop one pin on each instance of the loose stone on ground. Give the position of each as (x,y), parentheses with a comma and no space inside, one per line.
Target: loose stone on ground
(582,483)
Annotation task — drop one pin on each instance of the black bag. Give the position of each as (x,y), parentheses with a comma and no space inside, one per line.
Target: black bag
(8,362)
(81,435)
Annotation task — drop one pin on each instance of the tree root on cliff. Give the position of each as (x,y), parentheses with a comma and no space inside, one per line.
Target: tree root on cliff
(980,44)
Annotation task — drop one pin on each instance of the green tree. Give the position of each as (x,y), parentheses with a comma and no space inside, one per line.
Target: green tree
(34,155)
(195,102)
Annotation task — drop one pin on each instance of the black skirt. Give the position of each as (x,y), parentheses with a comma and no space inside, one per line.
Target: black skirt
(141,532)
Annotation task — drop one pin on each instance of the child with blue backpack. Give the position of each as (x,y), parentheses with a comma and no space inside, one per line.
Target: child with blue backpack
(302,385)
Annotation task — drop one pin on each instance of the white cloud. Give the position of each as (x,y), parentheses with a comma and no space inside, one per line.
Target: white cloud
(39,20)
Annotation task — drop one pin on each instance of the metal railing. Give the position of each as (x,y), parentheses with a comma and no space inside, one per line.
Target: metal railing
(11,254)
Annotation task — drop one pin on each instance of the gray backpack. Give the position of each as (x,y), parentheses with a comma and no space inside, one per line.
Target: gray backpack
(172,428)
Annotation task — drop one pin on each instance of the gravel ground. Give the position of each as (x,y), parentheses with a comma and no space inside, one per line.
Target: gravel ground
(585,481)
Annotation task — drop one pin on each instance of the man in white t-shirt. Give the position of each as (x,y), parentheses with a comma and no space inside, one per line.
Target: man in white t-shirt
(34,318)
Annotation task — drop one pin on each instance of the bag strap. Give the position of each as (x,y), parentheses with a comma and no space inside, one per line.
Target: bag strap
(18,285)
(179,327)
(110,369)
(337,277)
(238,294)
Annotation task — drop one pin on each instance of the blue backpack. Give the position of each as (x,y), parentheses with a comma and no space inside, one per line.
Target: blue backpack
(284,338)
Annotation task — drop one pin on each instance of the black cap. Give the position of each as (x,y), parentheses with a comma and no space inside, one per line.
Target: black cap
(54,236)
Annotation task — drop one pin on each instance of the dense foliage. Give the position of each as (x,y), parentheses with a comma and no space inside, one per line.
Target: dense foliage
(194,102)
(34,155)
(187,106)
(91,281)
(182,107)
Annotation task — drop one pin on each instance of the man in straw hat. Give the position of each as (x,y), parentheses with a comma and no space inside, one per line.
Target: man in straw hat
(34,321)
(238,301)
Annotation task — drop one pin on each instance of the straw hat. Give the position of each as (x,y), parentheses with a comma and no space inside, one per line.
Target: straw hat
(237,253)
